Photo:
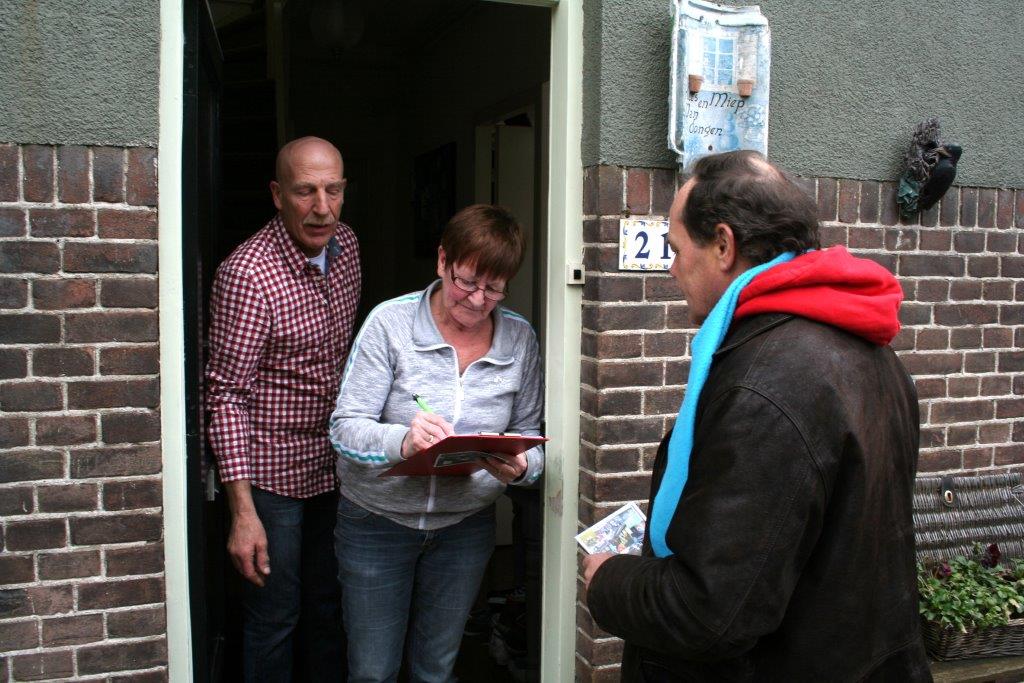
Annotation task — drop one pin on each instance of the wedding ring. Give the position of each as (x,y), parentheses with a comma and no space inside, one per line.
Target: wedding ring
(430,438)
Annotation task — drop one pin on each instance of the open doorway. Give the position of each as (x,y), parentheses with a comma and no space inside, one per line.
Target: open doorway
(435,104)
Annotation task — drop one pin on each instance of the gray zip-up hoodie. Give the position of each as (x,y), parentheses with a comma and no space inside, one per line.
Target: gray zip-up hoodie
(400,352)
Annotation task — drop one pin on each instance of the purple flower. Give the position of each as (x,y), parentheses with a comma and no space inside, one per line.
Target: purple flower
(992,555)
(943,571)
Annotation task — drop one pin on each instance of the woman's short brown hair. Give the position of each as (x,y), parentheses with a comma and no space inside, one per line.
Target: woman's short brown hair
(486,236)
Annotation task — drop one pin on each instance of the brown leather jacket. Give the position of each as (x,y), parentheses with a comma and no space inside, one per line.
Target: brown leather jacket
(793,540)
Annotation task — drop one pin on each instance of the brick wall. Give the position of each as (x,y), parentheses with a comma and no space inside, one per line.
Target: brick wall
(82,592)
(961,265)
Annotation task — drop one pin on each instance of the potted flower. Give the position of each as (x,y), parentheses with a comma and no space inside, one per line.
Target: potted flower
(972,607)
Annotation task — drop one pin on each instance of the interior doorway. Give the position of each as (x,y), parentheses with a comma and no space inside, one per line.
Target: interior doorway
(435,104)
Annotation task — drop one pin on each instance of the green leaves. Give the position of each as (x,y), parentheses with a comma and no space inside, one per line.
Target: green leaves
(964,593)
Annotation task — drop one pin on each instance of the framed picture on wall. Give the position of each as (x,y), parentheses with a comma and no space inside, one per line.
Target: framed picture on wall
(433,198)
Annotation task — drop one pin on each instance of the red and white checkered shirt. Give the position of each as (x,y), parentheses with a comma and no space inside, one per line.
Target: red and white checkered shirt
(279,338)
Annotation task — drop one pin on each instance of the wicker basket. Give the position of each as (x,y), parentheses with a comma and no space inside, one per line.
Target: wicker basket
(997,641)
(951,516)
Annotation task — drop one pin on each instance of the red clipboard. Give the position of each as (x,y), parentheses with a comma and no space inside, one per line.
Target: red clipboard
(460,454)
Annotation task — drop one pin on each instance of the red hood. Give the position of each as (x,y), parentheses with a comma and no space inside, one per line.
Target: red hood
(831,286)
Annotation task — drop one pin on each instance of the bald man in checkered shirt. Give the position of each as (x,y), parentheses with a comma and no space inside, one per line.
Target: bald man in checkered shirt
(282,310)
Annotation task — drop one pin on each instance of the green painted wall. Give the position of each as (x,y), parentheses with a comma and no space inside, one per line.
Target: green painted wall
(850,79)
(79,72)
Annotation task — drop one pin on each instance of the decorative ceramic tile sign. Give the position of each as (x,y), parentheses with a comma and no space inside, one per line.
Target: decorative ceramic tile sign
(643,244)
(721,60)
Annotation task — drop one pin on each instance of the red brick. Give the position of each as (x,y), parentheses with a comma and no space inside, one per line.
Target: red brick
(827,200)
(43,666)
(987,208)
(70,497)
(73,174)
(629,317)
(887,203)
(13,292)
(968,206)
(1011,361)
(13,432)
(638,191)
(1013,266)
(111,326)
(849,201)
(930,217)
(15,501)
(120,593)
(100,659)
(983,266)
(964,290)
(606,288)
(961,411)
(36,534)
(29,328)
(62,362)
(831,235)
(139,559)
(141,180)
(132,360)
(13,363)
(623,487)
(966,314)
(1009,407)
(136,623)
(995,385)
(62,223)
(630,430)
(604,258)
(70,565)
(30,465)
(29,257)
(610,346)
(610,459)
(133,393)
(977,457)
(131,427)
(12,222)
(10,177)
(609,190)
(866,238)
(961,387)
(1019,209)
(900,239)
(99,257)
(979,362)
(1001,241)
(932,339)
(59,294)
(915,314)
(30,396)
(65,430)
(130,495)
(924,264)
(75,630)
(108,174)
(660,344)
(115,462)
(663,190)
(16,569)
(949,208)
(1002,290)
(969,242)
(590,190)
(157,676)
(127,224)
(997,337)
(661,288)
(35,600)
(131,293)
(1009,455)
(935,240)
(629,374)
(994,433)
(868,202)
(938,461)
(932,363)
(37,161)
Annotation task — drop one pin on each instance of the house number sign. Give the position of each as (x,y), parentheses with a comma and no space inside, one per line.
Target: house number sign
(643,244)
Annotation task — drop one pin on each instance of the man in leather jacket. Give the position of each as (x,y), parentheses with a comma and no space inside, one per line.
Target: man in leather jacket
(780,544)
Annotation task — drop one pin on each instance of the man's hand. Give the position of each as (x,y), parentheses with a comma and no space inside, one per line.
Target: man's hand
(247,542)
(591,563)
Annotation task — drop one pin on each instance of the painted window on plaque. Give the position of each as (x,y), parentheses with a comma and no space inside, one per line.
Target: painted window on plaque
(718,60)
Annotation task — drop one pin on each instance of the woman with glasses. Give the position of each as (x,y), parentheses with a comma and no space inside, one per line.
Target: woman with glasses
(412,550)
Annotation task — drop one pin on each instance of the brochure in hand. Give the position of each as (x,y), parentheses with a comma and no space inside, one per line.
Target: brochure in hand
(621,532)
(461,454)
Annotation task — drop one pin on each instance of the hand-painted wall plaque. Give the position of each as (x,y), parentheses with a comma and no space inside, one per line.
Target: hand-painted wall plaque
(643,244)
(721,61)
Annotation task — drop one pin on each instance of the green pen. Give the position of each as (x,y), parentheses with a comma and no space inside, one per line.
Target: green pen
(422,403)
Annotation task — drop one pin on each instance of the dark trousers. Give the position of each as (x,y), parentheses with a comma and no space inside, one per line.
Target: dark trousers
(292,624)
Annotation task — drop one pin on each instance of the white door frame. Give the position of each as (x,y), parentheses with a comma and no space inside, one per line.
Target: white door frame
(562,346)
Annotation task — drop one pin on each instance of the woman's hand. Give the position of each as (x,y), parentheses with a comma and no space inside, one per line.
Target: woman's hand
(426,430)
(505,471)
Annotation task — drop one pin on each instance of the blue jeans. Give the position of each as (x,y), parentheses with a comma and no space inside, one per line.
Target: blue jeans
(405,586)
(292,623)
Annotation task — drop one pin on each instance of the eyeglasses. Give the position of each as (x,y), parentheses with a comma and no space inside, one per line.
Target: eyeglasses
(471,286)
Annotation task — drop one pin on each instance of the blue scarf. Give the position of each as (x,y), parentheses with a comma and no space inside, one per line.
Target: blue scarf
(709,337)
